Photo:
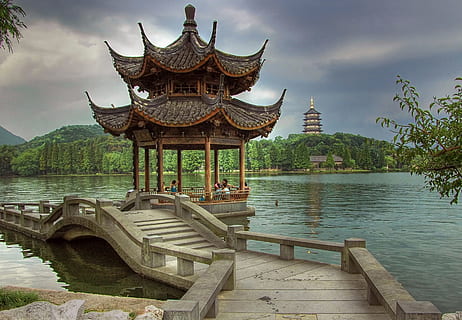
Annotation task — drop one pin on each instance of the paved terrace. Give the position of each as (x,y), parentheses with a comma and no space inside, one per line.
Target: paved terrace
(210,260)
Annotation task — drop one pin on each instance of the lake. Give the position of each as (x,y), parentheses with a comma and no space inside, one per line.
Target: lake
(416,235)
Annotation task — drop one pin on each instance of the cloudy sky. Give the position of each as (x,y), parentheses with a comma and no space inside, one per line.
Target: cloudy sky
(345,53)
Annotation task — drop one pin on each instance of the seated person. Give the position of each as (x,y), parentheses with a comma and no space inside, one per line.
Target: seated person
(173,187)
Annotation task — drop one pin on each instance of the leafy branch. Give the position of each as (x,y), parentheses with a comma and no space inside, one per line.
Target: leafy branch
(432,143)
(10,23)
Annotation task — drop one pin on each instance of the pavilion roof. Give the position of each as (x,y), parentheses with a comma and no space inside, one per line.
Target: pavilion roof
(186,111)
(188,53)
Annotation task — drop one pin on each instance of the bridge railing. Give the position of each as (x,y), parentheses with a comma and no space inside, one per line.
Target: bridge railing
(382,287)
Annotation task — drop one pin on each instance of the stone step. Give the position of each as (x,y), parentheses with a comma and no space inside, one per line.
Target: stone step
(142,223)
(181,236)
(188,241)
(162,232)
(164,226)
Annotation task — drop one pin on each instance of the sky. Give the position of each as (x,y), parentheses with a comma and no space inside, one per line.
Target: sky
(345,53)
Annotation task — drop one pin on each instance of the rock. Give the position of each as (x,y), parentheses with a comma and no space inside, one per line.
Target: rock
(151,313)
(110,315)
(42,310)
(452,316)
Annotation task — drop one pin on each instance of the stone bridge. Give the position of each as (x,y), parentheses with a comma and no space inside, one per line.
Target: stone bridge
(189,248)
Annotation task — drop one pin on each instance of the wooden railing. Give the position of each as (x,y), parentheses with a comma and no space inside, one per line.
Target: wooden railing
(198,194)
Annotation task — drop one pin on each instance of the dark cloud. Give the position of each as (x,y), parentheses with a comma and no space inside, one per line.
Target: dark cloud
(344,53)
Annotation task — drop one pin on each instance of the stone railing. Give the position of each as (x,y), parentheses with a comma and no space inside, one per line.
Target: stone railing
(200,300)
(382,288)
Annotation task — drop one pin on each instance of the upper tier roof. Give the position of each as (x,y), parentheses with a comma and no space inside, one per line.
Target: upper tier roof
(188,53)
(185,112)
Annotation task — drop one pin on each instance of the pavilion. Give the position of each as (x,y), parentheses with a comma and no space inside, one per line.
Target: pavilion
(188,103)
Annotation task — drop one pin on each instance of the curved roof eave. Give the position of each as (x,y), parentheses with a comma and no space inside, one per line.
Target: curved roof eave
(100,112)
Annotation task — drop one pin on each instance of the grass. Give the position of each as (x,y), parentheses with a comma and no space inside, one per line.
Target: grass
(15,299)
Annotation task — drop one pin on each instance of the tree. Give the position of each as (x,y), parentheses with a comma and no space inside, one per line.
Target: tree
(10,23)
(432,142)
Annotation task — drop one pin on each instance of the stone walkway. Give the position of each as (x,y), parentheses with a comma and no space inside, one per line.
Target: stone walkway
(273,289)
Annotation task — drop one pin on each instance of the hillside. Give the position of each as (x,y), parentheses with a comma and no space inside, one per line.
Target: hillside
(66,134)
(8,138)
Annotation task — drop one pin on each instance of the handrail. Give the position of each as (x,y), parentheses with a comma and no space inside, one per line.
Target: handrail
(185,253)
(291,241)
(212,222)
(383,287)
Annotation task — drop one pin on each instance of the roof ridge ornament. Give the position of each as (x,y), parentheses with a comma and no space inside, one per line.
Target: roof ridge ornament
(190,24)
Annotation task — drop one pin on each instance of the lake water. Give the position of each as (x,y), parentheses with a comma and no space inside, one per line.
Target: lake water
(416,235)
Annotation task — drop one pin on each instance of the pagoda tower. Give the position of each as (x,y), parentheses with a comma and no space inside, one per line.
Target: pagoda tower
(312,122)
(190,86)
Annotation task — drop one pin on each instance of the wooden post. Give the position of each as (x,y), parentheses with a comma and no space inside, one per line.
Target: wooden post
(208,186)
(160,165)
(216,169)
(146,170)
(179,168)
(242,165)
(136,166)
(347,264)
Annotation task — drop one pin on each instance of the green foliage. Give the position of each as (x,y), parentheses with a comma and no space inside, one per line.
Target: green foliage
(15,299)
(432,142)
(10,23)
(86,150)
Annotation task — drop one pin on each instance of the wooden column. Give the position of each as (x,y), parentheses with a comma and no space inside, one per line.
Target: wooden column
(242,165)
(136,166)
(216,169)
(179,169)
(160,165)
(147,170)
(208,186)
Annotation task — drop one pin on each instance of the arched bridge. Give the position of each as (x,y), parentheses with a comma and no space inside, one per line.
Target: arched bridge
(189,248)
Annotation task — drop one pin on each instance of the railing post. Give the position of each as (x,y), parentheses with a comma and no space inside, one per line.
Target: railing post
(286,252)
(181,310)
(148,257)
(70,209)
(179,212)
(232,240)
(23,222)
(184,267)
(142,204)
(100,203)
(417,310)
(43,208)
(347,264)
(227,254)
(43,227)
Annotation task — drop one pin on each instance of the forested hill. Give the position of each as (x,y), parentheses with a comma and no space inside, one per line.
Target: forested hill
(6,137)
(87,150)
(66,134)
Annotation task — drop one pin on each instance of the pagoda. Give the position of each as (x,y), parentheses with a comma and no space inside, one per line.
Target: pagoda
(312,122)
(188,105)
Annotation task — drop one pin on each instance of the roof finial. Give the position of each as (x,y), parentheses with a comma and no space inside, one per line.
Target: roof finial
(189,24)
(311,102)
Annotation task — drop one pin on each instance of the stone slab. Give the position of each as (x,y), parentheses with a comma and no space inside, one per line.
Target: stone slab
(294,295)
(298,284)
(304,307)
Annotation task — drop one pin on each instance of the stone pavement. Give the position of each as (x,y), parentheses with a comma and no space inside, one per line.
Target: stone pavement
(273,289)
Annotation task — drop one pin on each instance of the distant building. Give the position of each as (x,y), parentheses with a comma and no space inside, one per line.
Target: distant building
(312,122)
(317,160)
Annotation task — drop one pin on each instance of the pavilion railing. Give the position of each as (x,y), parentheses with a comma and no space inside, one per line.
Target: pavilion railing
(198,194)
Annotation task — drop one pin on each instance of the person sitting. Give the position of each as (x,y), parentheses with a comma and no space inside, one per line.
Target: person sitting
(173,187)
(225,189)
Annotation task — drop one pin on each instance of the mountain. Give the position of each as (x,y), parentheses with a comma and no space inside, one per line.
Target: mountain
(7,137)
(66,134)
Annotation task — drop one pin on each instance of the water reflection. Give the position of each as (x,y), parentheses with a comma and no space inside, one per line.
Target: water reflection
(87,265)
